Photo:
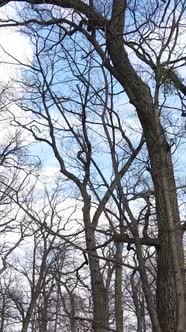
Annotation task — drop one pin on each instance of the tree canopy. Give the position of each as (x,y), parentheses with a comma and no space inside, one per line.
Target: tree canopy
(90,182)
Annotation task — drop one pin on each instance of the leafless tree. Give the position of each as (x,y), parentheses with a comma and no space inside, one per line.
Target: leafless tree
(85,57)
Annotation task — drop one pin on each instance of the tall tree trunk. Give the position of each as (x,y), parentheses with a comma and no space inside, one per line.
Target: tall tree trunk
(170,285)
(3,312)
(72,312)
(118,289)
(97,285)
(35,294)
(44,312)
(136,300)
(29,314)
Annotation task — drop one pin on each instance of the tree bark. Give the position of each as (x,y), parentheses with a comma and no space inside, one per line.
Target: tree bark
(72,313)
(99,295)
(3,310)
(118,289)
(170,285)
(44,312)
(28,316)
(136,300)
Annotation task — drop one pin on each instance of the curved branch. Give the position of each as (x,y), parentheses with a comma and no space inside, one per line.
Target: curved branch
(97,20)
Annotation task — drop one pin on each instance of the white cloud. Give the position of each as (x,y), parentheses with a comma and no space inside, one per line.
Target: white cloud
(14,43)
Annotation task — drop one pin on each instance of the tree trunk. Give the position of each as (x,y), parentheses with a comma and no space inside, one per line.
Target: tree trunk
(118,289)
(3,309)
(44,312)
(72,313)
(170,286)
(138,299)
(31,307)
(28,316)
(98,289)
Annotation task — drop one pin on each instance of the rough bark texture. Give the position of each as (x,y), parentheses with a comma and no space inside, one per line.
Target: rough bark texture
(99,295)
(170,256)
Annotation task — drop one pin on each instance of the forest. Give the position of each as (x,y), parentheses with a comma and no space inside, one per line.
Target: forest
(92,166)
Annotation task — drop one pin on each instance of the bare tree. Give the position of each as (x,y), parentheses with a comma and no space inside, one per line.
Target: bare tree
(86,48)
